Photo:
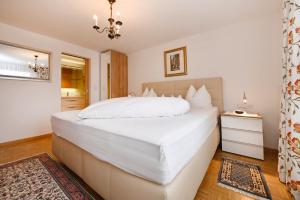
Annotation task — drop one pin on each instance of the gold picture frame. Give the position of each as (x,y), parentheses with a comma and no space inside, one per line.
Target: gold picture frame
(175,61)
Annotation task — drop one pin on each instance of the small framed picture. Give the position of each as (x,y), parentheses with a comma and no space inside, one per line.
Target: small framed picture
(175,62)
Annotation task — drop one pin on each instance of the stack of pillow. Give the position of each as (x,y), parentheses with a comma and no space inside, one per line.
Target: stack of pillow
(197,98)
(149,93)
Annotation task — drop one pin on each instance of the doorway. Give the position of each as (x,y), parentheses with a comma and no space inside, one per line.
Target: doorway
(74,82)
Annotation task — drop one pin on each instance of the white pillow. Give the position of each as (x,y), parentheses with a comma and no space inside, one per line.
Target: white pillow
(135,107)
(146,92)
(152,93)
(163,95)
(190,93)
(179,96)
(201,99)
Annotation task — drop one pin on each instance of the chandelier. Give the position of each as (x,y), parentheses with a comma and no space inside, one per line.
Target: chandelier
(113,30)
(41,70)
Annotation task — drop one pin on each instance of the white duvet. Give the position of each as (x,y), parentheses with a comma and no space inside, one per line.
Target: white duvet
(155,148)
(136,107)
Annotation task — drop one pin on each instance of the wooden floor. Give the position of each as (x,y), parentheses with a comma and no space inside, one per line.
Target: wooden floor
(209,190)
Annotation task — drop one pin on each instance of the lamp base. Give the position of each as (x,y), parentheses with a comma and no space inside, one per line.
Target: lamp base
(240,112)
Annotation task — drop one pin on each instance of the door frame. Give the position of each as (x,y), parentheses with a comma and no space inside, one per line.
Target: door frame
(87,74)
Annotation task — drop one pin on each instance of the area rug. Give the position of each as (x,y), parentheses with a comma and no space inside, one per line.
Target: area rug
(39,177)
(243,177)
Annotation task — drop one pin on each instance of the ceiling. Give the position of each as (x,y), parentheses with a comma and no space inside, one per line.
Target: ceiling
(146,22)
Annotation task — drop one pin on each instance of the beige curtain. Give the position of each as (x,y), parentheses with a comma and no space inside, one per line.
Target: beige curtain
(289,142)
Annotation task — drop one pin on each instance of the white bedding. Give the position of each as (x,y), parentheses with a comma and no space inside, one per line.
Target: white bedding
(153,148)
(133,107)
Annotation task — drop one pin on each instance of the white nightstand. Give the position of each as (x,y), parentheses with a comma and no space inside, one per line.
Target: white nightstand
(242,134)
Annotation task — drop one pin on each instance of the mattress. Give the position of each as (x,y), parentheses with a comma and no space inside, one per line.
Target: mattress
(155,149)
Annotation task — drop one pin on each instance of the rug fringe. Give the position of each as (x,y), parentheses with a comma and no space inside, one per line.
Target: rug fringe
(242,192)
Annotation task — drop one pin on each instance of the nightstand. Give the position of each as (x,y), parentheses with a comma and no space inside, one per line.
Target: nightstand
(243,134)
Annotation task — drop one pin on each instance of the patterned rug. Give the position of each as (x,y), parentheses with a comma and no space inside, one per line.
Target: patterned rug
(39,177)
(245,178)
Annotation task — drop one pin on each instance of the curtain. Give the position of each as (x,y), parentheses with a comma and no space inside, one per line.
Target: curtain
(289,141)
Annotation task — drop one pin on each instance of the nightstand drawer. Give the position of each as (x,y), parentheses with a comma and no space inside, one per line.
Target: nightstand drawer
(250,137)
(71,107)
(243,123)
(72,101)
(243,149)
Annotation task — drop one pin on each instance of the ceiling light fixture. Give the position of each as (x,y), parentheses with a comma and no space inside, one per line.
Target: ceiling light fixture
(113,30)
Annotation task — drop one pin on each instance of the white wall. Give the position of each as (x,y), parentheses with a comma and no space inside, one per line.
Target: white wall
(247,55)
(105,59)
(26,106)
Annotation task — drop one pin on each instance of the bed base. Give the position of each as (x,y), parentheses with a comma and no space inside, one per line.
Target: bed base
(113,183)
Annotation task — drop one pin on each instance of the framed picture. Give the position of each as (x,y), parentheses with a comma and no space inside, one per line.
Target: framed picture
(175,62)
(19,62)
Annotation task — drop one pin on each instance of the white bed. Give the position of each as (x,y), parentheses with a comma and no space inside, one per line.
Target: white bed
(155,149)
(140,158)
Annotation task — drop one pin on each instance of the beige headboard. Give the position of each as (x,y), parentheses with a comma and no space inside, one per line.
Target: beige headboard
(180,87)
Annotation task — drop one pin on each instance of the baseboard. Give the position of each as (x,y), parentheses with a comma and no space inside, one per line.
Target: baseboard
(17,142)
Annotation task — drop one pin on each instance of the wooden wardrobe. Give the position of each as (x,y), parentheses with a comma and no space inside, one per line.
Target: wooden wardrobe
(114,74)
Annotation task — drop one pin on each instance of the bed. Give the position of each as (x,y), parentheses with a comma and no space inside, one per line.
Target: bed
(143,158)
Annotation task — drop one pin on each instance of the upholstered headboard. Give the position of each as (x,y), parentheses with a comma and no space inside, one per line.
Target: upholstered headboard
(180,87)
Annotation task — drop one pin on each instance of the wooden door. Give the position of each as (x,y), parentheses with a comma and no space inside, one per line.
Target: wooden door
(119,74)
